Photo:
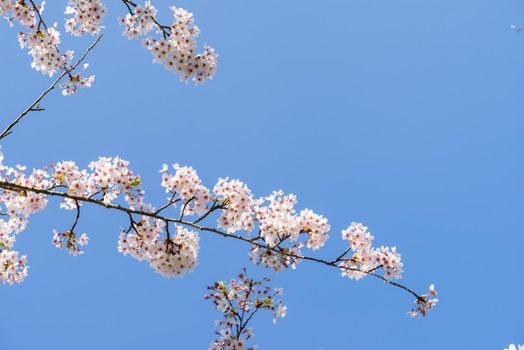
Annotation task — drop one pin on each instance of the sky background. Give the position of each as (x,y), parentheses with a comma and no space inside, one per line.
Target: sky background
(405,115)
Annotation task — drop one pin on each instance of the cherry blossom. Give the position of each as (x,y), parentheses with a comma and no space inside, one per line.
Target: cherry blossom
(176,49)
(113,177)
(13,267)
(140,22)
(240,213)
(366,258)
(70,241)
(43,45)
(77,81)
(278,261)
(179,256)
(87,16)
(188,185)
(515,347)
(424,303)
(25,14)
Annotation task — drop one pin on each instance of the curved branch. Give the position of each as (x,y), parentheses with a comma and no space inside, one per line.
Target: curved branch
(331,263)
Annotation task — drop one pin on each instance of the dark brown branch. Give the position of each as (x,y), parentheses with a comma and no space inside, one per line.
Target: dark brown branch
(77,216)
(171,201)
(212,209)
(14,187)
(184,207)
(341,256)
(35,105)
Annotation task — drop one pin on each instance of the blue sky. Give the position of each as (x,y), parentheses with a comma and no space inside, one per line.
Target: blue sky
(405,115)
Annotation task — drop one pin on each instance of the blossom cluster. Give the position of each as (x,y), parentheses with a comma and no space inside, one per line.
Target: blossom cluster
(240,204)
(275,215)
(186,183)
(42,42)
(277,260)
(279,222)
(43,45)
(239,300)
(18,207)
(515,347)
(87,17)
(140,22)
(70,241)
(176,49)
(366,258)
(20,11)
(424,303)
(171,257)
(77,81)
(14,267)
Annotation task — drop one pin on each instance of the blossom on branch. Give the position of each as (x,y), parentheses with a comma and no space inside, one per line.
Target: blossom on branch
(109,182)
(176,48)
(43,45)
(366,258)
(239,300)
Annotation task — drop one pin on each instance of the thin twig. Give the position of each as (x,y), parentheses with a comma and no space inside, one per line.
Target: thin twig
(34,106)
(77,217)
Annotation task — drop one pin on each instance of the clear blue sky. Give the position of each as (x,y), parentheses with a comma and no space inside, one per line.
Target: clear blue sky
(405,115)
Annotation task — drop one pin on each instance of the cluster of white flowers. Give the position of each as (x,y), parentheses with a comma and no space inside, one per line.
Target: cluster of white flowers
(186,183)
(279,221)
(23,13)
(114,177)
(144,242)
(173,256)
(176,49)
(239,199)
(140,22)
(180,255)
(77,81)
(43,47)
(18,207)
(366,258)
(424,303)
(87,17)
(286,257)
(14,267)
(70,241)
(316,227)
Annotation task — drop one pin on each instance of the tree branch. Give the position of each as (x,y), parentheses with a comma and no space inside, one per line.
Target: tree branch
(33,107)
(331,263)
